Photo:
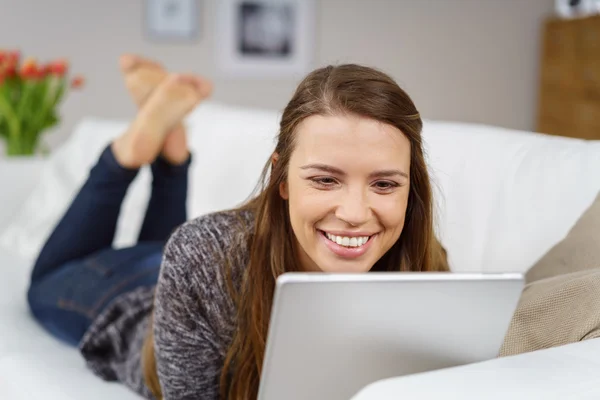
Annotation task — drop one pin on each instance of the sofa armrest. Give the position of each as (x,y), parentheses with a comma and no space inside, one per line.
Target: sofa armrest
(566,372)
(18,178)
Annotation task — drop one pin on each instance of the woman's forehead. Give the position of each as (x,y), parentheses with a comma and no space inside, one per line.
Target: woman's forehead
(346,138)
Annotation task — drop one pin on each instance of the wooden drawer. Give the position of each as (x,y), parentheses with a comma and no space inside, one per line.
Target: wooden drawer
(567,115)
(587,119)
(558,105)
(589,38)
(550,126)
(569,99)
(590,75)
(560,40)
(560,54)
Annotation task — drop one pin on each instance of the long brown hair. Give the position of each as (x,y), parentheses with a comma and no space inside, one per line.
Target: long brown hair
(333,90)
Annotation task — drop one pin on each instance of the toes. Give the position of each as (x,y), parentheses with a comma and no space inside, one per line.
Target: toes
(130,62)
(202,86)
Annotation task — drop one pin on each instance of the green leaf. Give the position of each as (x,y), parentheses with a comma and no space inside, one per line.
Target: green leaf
(40,107)
(60,90)
(12,121)
(25,100)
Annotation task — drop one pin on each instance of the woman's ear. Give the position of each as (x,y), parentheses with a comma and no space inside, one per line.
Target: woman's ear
(283,190)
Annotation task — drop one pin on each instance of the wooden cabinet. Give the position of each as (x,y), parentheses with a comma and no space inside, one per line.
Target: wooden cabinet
(569,97)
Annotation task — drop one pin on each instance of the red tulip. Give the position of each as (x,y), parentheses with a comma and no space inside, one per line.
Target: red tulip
(45,70)
(10,71)
(8,64)
(6,59)
(77,82)
(40,73)
(13,57)
(9,57)
(59,68)
(29,69)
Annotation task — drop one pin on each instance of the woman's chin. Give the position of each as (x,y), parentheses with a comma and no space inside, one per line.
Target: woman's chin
(333,264)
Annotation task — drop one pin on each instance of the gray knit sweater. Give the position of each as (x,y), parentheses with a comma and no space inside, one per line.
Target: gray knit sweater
(194,315)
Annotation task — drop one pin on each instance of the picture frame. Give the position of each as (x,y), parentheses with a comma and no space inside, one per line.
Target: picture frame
(265,38)
(171,20)
(576,8)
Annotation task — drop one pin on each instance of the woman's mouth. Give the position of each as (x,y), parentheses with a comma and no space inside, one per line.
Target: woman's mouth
(347,241)
(347,246)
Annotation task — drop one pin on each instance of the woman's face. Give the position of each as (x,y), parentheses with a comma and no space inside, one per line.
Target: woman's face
(347,189)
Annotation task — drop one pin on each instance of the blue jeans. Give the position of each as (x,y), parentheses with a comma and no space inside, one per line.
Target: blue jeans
(78,273)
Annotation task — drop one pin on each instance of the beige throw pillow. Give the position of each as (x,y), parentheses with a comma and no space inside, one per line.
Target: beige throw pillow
(579,251)
(561,302)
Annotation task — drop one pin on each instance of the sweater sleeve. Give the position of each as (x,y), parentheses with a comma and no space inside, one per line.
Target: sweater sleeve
(192,310)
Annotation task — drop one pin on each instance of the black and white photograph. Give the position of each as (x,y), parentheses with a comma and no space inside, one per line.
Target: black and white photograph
(265,29)
(265,38)
(576,8)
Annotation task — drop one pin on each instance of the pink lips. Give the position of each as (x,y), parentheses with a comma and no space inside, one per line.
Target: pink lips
(346,252)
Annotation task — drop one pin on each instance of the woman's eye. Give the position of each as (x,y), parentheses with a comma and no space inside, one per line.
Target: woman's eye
(385,185)
(324,181)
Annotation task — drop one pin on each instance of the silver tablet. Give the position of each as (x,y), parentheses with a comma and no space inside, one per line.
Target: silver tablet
(332,334)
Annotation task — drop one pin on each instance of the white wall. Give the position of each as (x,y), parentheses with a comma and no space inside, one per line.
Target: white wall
(468,60)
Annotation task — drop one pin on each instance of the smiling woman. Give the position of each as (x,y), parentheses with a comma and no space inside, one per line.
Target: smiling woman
(345,190)
(348,180)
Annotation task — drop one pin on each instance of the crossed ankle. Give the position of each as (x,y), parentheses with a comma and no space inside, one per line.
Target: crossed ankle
(176,159)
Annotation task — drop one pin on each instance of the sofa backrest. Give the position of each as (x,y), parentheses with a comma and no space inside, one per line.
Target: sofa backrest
(506,197)
(503,197)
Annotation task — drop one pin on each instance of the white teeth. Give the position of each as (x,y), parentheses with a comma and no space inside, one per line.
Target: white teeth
(348,241)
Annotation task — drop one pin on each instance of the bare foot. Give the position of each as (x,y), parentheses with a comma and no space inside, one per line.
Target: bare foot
(164,109)
(141,77)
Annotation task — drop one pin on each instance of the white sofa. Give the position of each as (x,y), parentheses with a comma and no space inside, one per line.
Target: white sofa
(503,197)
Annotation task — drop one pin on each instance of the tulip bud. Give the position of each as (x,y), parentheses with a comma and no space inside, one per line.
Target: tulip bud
(29,69)
(77,82)
(12,58)
(45,70)
(3,56)
(59,68)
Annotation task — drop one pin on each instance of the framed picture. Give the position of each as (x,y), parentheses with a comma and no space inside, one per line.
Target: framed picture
(265,38)
(576,8)
(171,20)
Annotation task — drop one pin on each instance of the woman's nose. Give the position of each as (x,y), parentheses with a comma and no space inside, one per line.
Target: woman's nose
(353,208)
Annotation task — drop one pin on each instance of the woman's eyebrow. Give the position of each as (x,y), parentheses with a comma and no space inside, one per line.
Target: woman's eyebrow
(377,174)
(388,173)
(324,168)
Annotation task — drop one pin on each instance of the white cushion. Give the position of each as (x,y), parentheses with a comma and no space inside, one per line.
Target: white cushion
(18,177)
(506,197)
(566,372)
(43,377)
(34,365)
